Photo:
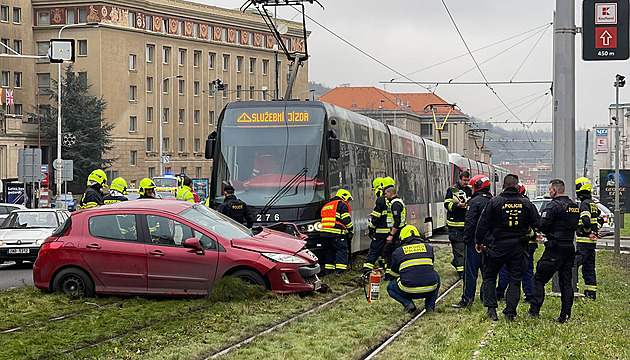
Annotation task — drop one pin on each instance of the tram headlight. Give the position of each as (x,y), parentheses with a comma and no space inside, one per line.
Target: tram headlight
(314,227)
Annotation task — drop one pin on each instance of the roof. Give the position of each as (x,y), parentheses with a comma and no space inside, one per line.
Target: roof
(369,98)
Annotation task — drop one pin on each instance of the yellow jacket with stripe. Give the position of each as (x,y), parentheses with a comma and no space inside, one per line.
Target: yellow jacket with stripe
(413,260)
(589,220)
(455,216)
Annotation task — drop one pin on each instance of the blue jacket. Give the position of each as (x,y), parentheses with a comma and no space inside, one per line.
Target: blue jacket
(414,262)
(475,206)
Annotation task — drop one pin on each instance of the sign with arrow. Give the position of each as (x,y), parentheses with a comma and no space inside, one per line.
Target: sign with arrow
(605,33)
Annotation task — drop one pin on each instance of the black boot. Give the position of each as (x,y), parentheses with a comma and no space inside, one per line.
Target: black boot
(563,319)
(410,308)
(590,294)
(492,314)
(462,304)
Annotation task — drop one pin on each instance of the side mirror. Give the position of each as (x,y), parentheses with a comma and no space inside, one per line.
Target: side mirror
(210,144)
(334,147)
(193,243)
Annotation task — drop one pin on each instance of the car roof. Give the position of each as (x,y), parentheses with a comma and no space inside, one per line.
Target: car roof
(174,207)
(38,210)
(12,204)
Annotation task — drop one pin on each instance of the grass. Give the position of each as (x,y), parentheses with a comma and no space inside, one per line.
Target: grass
(625,231)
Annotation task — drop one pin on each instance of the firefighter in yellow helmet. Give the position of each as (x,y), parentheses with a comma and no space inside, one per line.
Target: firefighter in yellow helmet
(92,197)
(378,229)
(146,189)
(117,192)
(337,229)
(587,235)
(185,192)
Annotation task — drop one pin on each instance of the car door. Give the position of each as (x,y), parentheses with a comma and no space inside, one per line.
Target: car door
(171,267)
(115,252)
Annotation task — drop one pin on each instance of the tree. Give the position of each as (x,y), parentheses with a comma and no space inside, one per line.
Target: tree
(82,116)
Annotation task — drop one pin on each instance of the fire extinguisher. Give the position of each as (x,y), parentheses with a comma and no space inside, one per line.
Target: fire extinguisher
(374,286)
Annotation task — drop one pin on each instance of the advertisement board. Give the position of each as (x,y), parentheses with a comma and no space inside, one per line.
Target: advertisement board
(607,182)
(200,186)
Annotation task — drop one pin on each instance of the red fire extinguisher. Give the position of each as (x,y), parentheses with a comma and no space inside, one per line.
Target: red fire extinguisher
(374,286)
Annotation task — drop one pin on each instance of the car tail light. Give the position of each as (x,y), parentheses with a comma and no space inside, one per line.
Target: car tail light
(50,245)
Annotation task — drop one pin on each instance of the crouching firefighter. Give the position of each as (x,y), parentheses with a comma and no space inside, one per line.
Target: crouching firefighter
(413,260)
(337,229)
(377,224)
(587,235)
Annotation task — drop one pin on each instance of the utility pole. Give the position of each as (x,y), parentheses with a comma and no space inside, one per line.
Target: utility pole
(620,81)
(588,132)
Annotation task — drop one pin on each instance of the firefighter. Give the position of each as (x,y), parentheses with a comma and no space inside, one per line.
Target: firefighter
(413,260)
(97,180)
(396,220)
(117,192)
(235,208)
(377,224)
(480,185)
(559,222)
(146,189)
(587,235)
(528,276)
(185,193)
(455,204)
(508,218)
(337,229)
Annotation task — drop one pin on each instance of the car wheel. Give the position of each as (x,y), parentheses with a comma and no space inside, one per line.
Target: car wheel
(74,282)
(250,277)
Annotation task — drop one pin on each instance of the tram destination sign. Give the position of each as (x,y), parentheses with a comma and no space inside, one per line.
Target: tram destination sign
(605,30)
(273,117)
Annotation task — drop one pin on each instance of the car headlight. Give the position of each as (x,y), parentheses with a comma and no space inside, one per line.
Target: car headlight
(1,243)
(39,242)
(284,258)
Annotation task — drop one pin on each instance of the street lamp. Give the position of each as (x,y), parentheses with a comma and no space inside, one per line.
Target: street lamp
(381,107)
(433,109)
(162,119)
(58,161)
(306,91)
(620,81)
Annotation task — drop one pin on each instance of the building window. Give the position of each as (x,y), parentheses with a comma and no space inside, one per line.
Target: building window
(180,28)
(165,115)
(182,144)
(3,49)
(426,130)
(265,67)
(211,60)
(149,114)
(4,13)
(69,16)
(238,91)
(223,34)
(165,143)
(17,109)
(196,145)
(239,63)
(181,59)
(151,172)
(210,117)
(182,113)
(133,157)
(149,144)
(251,93)
(17,79)
(226,62)
(168,170)
(264,95)
(17,46)
(149,84)
(148,23)
(210,89)
(196,30)
(43,83)
(42,47)
(5,79)
(182,86)
(133,123)
(164,26)
(165,85)
(83,15)
(150,52)
(196,88)
(196,58)
(196,117)
(17,15)
(133,93)
(132,62)
(83,78)
(83,50)
(225,91)
(43,17)
(252,65)
(166,54)
(182,170)
(238,36)
(132,20)
(198,172)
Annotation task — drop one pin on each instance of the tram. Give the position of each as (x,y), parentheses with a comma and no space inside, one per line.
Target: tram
(495,173)
(286,159)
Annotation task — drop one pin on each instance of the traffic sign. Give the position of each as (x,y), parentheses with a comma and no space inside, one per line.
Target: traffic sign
(605,30)
(30,165)
(165,159)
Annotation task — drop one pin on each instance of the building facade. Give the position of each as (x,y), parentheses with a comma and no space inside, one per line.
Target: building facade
(132,53)
(603,140)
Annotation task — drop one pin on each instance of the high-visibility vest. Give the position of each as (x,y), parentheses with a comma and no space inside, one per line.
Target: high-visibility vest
(390,215)
(185,194)
(329,223)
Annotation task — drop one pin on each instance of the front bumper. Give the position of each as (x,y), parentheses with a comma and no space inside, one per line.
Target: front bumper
(294,278)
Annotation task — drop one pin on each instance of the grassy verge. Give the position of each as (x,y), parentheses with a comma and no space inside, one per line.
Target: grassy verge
(625,231)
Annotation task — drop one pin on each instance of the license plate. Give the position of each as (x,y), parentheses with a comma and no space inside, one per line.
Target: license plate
(17,251)
(318,284)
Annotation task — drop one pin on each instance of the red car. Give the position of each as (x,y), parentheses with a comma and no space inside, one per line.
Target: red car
(168,248)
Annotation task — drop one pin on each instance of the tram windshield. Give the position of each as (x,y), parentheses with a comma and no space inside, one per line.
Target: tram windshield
(269,150)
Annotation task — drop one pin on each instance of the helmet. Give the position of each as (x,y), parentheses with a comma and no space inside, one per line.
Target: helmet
(479,182)
(408,231)
(583,184)
(521,189)
(145,184)
(119,184)
(387,182)
(377,183)
(343,195)
(97,176)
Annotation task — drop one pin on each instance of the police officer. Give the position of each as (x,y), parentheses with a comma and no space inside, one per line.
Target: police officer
(413,260)
(508,218)
(559,222)
(185,193)
(377,224)
(117,192)
(396,220)
(587,235)
(235,208)
(146,189)
(338,230)
(480,185)
(97,180)
(455,204)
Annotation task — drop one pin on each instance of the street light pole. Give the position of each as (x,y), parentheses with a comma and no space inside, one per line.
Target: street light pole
(619,82)
(162,120)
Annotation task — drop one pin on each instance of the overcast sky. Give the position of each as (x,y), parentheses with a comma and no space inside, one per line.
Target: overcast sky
(413,35)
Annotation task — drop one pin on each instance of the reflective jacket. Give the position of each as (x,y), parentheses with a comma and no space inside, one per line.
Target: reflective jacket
(378,216)
(455,216)
(114,197)
(589,220)
(336,218)
(185,194)
(414,262)
(396,213)
(91,198)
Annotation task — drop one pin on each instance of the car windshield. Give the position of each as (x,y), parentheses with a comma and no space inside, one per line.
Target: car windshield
(35,219)
(216,223)
(265,149)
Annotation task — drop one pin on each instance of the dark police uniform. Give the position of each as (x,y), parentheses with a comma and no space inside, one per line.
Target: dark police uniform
(589,223)
(237,210)
(455,221)
(92,197)
(414,262)
(528,276)
(377,225)
(508,218)
(559,223)
(337,227)
(396,218)
(113,199)
(472,258)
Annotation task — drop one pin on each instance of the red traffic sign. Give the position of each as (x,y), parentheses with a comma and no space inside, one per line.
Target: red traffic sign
(605,37)
(605,34)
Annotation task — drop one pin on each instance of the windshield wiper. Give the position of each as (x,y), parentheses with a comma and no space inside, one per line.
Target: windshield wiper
(284,190)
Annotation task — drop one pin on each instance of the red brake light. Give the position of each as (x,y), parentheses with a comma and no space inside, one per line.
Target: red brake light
(51,245)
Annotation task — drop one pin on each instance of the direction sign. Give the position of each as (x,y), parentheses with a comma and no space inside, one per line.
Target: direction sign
(29,165)
(165,159)
(601,132)
(605,30)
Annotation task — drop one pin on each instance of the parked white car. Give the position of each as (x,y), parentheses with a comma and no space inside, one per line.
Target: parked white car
(6,208)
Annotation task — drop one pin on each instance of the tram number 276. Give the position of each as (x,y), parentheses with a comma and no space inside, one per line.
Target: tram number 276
(267,217)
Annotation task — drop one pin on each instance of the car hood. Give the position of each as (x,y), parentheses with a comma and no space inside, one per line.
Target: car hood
(270,241)
(24,235)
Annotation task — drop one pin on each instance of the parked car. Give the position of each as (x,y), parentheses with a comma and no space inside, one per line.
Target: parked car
(607,229)
(167,248)
(6,208)
(24,230)
(67,199)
